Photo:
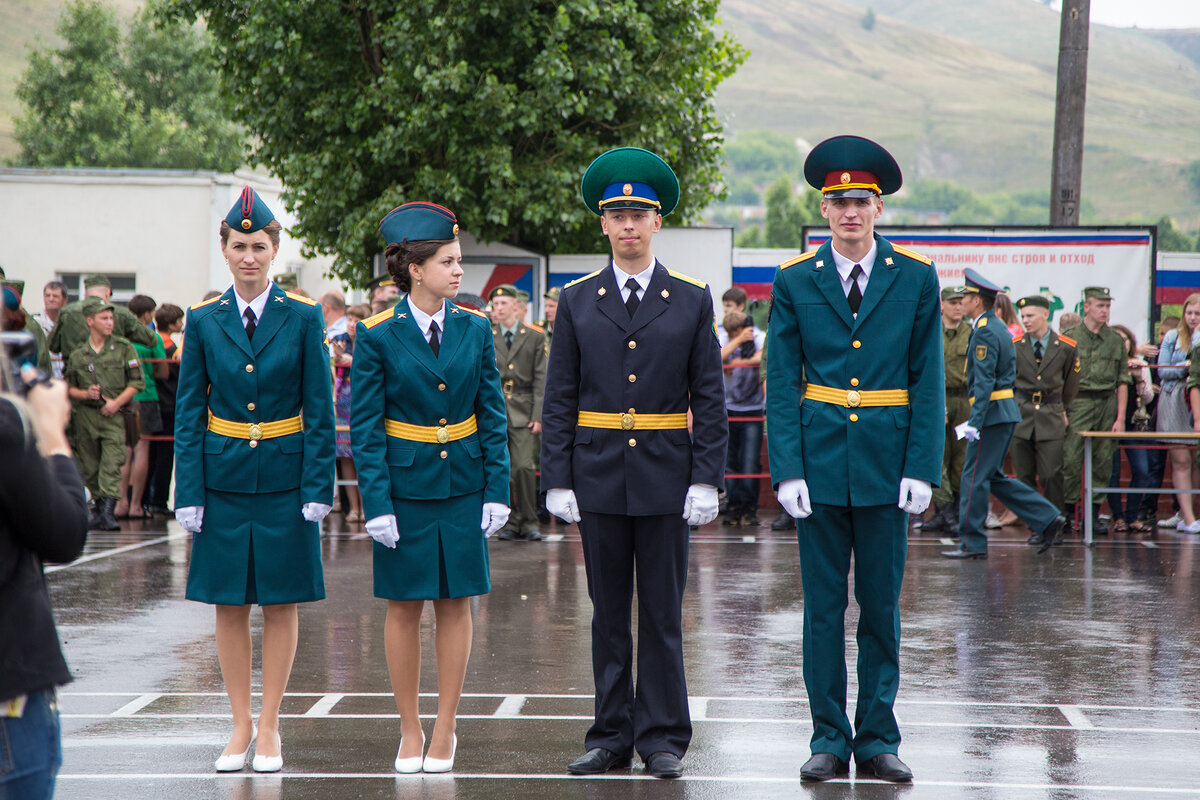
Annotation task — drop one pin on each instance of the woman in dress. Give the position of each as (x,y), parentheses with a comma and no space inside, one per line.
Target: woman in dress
(1174,414)
(430,443)
(254,446)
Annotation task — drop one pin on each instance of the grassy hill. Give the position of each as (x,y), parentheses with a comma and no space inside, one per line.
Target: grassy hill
(966,92)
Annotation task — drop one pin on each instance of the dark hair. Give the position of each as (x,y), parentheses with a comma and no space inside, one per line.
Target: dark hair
(272,230)
(1131,347)
(989,302)
(57,286)
(139,304)
(167,315)
(736,295)
(400,254)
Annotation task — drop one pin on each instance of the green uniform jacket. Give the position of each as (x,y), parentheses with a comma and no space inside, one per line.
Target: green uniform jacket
(1103,363)
(43,357)
(396,376)
(1193,376)
(115,367)
(71,330)
(1057,380)
(856,456)
(954,353)
(991,367)
(522,372)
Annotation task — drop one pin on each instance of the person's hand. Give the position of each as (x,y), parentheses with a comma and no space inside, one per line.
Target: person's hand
(535,427)
(914,495)
(965,431)
(191,518)
(746,334)
(792,494)
(1118,426)
(494,517)
(1147,350)
(315,512)
(562,504)
(93,391)
(110,407)
(700,505)
(51,411)
(384,530)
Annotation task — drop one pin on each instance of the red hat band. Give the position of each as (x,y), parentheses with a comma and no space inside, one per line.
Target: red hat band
(851,179)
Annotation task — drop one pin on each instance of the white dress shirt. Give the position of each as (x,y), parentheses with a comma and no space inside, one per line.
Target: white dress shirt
(642,278)
(845,266)
(423,320)
(259,304)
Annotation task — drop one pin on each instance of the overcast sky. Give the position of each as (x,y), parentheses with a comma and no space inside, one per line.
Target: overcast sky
(1147,13)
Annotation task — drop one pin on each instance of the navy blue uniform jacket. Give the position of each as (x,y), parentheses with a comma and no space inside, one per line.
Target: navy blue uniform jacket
(991,367)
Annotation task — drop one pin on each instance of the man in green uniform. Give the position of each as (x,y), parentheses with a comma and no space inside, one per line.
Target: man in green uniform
(1047,379)
(71,330)
(521,352)
(549,309)
(1104,380)
(31,325)
(102,375)
(955,336)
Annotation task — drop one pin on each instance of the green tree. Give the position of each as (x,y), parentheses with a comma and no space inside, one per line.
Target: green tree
(1170,238)
(493,108)
(147,98)
(787,214)
(1192,174)
(760,155)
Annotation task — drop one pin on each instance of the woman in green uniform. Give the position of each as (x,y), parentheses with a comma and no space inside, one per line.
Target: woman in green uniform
(429,431)
(254,436)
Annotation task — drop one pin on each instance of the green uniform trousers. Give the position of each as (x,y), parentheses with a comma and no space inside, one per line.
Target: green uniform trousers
(99,443)
(1090,411)
(877,538)
(1036,461)
(522,444)
(958,408)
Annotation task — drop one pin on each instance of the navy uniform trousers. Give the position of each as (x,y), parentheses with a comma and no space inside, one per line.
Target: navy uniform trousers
(983,474)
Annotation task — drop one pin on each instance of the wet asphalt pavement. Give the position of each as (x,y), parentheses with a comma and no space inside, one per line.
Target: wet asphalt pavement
(1073,674)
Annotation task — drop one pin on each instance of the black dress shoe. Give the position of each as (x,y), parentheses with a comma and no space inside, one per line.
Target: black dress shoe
(1052,533)
(532,535)
(823,767)
(597,761)
(886,767)
(508,535)
(664,765)
(964,554)
(784,522)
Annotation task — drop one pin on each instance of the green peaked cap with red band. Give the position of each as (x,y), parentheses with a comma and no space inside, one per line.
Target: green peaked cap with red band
(249,213)
(851,166)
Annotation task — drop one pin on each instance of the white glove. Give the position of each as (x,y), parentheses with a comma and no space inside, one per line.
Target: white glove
(190,517)
(914,495)
(315,512)
(384,530)
(700,506)
(562,504)
(494,517)
(965,431)
(792,494)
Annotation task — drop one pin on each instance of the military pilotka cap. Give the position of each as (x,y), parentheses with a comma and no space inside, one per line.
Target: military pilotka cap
(91,281)
(504,290)
(286,281)
(851,166)
(952,292)
(1038,300)
(419,222)
(553,293)
(630,177)
(16,285)
(522,296)
(94,305)
(1096,293)
(249,213)
(977,284)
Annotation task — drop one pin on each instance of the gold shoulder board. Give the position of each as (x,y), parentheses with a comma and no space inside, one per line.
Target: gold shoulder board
(798,259)
(679,276)
(207,302)
(589,276)
(306,300)
(382,316)
(914,255)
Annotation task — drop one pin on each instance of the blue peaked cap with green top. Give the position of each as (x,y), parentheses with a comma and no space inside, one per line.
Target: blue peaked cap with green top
(249,213)
(419,222)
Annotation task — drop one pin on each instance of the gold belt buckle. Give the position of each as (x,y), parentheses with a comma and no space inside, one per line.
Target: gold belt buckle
(627,422)
(1037,398)
(853,399)
(508,387)
(256,432)
(443,435)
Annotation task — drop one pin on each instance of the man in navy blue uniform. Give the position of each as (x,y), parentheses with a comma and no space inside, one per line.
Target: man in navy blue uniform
(635,347)
(991,375)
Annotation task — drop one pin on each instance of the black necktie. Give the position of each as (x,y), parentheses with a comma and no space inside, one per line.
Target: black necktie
(508,338)
(855,295)
(251,322)
(1037,351)
(434,342)
(632,303)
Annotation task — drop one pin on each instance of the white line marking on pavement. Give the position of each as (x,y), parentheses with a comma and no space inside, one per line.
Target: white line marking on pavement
(1076,717)
(117,551)
(322,707)
(553,537)
(135,705)
(749,539)
(510,707)
(698,708)
(1151,545)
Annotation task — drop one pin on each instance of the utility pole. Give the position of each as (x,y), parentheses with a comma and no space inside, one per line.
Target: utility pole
(1066,177)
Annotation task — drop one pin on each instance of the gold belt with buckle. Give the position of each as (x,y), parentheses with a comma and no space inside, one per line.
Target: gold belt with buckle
(632,421)
(432,434)
(999,394)
(255,431)
(854,398)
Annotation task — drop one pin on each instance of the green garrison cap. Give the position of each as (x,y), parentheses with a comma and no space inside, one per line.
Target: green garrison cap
(1096,293)
(504,290)
(286,281)
(249,213)
(952,292)
(379,280)
(851,166)
(90,281)
(630,177)
(553,293)
(977,284)
(523,296)
(16,284)
(419,222)
(1039,300)
(94,305)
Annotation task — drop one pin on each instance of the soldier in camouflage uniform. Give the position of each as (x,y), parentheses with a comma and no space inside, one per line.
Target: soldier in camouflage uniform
(103,375)
(1100,403)
(71,330)
(955,338)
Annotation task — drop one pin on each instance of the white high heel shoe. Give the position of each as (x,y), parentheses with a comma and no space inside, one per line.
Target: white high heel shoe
(411,765)
(236,761)
(442,764)
(268,763)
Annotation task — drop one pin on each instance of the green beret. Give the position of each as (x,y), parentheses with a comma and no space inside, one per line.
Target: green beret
(286,281)
(94,305)
(249,213)
(419,222)
(90,281)
(504,290)
(952,292)
(553,293)
(17,285)
(630,177)
(1039,300)
(1096,293)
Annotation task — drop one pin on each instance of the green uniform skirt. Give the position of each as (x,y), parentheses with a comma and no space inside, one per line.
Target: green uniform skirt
(255,548)
(441,553)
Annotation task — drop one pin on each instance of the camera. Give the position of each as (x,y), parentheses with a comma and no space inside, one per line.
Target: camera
(22,352)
